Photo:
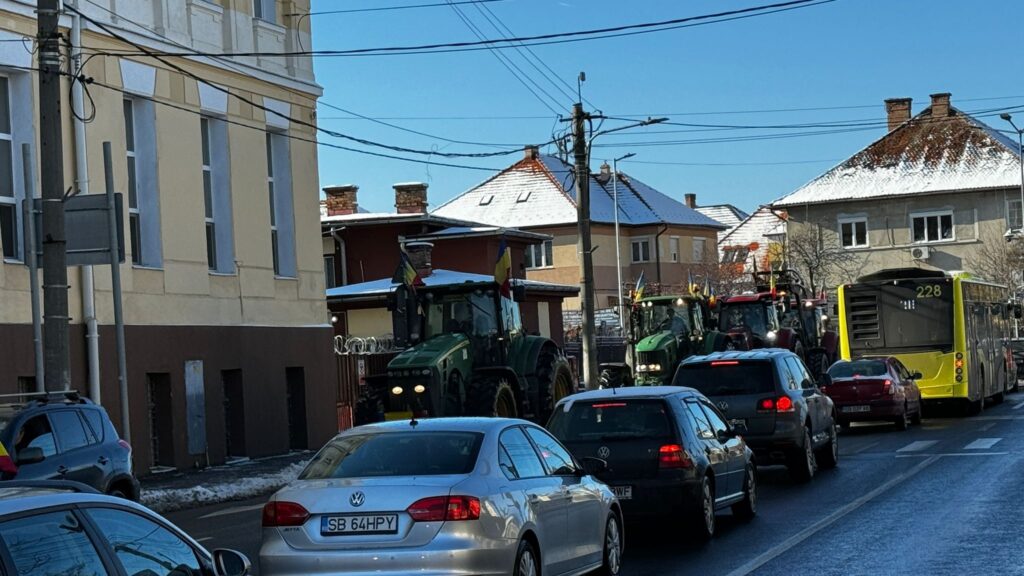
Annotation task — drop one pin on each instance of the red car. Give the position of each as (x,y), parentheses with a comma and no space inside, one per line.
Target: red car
(874,389)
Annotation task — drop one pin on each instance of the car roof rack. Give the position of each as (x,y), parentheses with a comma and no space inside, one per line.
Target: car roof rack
(43,398)
(65,485)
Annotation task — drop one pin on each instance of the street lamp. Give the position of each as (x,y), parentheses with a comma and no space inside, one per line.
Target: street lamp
(1020,155)
(618,254)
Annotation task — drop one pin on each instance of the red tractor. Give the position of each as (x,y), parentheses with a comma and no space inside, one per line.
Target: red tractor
(780,313)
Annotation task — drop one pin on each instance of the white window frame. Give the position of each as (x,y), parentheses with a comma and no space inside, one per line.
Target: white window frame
(11,200)
(852,221)
(673,248)
(933,214)
(1009,222)
(542,250)
(259,10)
(700,255)
(275,245)
(209,202)
(132,170)
(640,240)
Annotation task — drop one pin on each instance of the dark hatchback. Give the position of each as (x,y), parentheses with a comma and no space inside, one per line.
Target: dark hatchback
(875,389)
(669,452)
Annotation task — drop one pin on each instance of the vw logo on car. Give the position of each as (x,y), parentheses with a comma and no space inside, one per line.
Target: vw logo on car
(357,499)
(723,406)
(604,452)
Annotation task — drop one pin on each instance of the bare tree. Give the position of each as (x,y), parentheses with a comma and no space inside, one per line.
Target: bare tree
(817,255)
(1000,261)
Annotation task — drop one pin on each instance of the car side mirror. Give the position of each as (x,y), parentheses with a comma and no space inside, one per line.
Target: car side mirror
(32,455)
(916,376)
(594,466)
(230,563)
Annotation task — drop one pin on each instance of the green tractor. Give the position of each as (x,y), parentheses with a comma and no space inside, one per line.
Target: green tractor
(663,330)
(467,354)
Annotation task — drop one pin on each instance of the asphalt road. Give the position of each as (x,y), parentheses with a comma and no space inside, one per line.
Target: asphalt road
(941,498)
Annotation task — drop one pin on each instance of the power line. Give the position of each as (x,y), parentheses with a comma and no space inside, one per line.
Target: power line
(383,8)
(730,163)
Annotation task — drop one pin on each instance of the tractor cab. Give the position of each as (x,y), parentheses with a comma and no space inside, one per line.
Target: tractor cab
(663,331)
(751,320)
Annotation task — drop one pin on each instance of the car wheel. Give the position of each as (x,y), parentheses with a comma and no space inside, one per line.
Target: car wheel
(746,509)
(612,547)
(703,523)
(903,422)
(802,463)
(916,418)
(526,560)
(829,455)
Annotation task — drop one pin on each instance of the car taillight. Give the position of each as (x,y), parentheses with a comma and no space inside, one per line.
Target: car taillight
(125,445)
(284,514)
(447,508)
(784,404)
(888,388)
(673,456)
(766,405)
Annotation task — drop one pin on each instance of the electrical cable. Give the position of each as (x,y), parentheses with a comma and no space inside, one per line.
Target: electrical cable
(382,8)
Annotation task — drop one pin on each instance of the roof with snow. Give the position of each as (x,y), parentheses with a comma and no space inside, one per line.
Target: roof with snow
(757,227)
(477,231)
(440,277)
(540,191)
(925,154)
(727,214)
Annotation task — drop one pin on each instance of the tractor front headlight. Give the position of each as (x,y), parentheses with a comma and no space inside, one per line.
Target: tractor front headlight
(419,389)
(397,390)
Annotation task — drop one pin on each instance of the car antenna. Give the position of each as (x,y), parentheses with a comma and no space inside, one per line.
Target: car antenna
(413,422)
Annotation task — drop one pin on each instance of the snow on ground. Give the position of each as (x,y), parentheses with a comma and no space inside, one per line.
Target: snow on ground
(222,490)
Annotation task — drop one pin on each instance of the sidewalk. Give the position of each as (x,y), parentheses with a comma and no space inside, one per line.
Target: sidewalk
(235,481)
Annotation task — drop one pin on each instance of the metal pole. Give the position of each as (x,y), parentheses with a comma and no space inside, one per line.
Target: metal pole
(618,252)
(29,217)
(584,247)
(55,269)
(1020,153)
(115,279)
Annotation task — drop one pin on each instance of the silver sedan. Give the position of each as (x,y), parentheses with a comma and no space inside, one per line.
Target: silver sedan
(466,496)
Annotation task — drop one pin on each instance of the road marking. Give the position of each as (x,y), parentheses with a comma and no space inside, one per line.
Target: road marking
(827,521)
(235,510)
(982,444)
(986,427)
(953,454)
(864,448)
(1018,406)
(918,446)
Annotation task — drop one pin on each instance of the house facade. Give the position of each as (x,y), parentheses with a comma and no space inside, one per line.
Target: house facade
(935,192)
(228,339)
(658,235)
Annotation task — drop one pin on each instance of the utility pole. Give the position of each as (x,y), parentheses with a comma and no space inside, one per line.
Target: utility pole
(55,270)
(584,245)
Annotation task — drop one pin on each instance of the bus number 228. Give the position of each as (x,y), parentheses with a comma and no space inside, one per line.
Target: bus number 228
(929,291)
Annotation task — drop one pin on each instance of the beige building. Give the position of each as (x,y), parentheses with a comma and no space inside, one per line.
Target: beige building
(228,339)
(659,235)
(933,193)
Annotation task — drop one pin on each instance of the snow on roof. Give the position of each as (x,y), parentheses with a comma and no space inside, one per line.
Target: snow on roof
(757,227)
(438,277)
(541,192)
(725,213)
(923,155)
(460,231)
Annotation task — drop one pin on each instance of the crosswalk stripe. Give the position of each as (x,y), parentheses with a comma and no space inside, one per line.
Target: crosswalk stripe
(1018,406)
(982,444)
(918,446)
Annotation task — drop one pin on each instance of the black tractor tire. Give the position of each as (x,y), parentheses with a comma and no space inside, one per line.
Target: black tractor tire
(491,396)
(554,379)
(716,342)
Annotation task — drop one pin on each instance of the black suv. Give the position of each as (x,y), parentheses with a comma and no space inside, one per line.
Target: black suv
(60,436)
(668,451)
(770,391)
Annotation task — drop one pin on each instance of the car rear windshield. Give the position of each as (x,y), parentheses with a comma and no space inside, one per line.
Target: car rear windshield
(857,368)
(384,454)
(727,377)
(611,419)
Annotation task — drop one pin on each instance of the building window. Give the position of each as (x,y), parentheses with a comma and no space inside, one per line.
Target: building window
(641,250)
(134,227)
(853,232)
(1013,214)
(540,255)
(8,202)
(735,254)
(211,223)
(932,227)
(673,248)
(329,273)
(264,10)
(699,249)
(274,245)
(279,194)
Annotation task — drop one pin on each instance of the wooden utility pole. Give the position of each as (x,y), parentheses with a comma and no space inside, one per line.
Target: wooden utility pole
(55,271)
(590,375)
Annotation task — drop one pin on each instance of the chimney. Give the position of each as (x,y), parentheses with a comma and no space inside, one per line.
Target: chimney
(940,105)
(411,198)
(531,152)
(341,199)
(690,200)
(419,255)
(605,175)
(898,111)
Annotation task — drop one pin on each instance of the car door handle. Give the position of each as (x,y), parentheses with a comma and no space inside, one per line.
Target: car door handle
(103,460)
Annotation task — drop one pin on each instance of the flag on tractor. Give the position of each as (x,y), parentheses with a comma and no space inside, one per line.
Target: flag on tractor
(503,270)
(771,282)
(406,273)
(638,292)
(691,286)
(7,466)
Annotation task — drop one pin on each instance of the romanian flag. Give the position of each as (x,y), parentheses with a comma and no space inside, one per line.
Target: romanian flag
(406,273)
(503,270)
(638,292)
(691,286)
(707,287)
(7,467)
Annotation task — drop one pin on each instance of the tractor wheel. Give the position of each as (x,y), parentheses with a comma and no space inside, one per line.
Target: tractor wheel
(490,396)
(554,379)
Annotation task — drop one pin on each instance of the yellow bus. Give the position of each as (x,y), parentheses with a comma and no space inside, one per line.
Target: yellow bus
(952,328)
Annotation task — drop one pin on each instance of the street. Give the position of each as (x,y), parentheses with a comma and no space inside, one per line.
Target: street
(937,499)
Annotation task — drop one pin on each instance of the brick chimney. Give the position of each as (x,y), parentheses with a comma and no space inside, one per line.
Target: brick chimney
(940,105)
(898,111)
(420,255)
(341,199)
(605,175)
(531,152)
(411,198)
(690,200)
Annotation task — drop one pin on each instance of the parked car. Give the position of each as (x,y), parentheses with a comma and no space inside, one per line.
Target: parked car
(875,389)
(60,436)
(770,391)
(669,452)
(62,527)
(482,496)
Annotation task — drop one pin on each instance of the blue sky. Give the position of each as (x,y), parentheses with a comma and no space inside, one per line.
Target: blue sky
(848,53)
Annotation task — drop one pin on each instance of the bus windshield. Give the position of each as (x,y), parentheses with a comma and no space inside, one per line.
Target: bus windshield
(901,315)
